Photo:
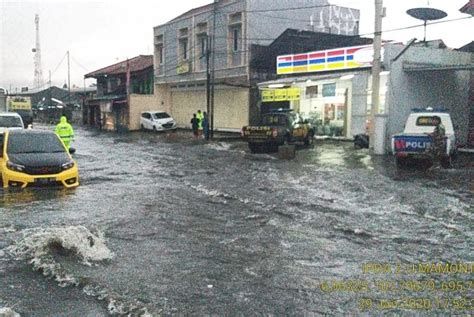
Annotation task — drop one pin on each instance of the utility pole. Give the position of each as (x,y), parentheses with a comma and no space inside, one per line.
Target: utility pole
(38,75)
(213,75)
(208,77)
(50,93)
(68,79)
(376,67)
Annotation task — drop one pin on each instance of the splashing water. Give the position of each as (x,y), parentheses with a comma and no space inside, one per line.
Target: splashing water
(37,247)
(8,312)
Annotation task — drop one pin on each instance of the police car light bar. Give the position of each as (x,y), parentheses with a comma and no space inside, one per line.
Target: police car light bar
(429,109)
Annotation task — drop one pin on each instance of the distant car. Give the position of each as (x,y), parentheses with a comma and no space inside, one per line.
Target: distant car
(35,158)
(157,121)
(10,120)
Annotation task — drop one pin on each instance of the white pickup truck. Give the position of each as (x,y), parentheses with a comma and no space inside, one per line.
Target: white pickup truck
(416,139)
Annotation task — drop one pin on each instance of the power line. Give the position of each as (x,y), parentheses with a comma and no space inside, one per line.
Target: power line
(62,60)
(415,26)
(79,64)
(290,9)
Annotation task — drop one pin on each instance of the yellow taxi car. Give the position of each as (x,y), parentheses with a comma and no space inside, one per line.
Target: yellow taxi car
(36,158)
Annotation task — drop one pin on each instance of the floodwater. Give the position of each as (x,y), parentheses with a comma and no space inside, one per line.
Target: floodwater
(163,224)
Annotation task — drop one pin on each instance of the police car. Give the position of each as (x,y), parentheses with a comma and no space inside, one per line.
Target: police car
(415,141)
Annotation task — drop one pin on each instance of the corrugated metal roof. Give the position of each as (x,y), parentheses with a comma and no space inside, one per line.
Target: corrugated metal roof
(137,64)
(33,91)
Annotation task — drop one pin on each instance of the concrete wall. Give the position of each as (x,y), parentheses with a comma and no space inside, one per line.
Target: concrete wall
(407,90)
(231,107)
(140,103)
(359,103)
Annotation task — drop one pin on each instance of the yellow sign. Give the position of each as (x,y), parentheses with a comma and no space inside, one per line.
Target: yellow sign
(286,94)
(281,95)
(19,103)
(268,95)
(183,67)
(293,93)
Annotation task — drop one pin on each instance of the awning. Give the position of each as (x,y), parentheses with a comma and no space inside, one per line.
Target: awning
(424,67)
(109,97)
(288,81)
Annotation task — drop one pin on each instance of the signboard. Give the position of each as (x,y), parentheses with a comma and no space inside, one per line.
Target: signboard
(19,103)
(183,67)
(285,94)
(333,59)
(268,95)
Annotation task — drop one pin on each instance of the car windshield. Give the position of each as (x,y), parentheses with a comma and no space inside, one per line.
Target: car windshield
(10,122)
(427,121)
(275,119)
(161,115)
(34,143)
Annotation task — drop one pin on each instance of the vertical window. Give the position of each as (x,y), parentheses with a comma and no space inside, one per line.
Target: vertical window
(236,39)
(183,44)
(160,54)
(201,39)
(203,42)
(159,49)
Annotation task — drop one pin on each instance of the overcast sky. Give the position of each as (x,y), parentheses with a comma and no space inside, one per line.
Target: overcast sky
(99,33)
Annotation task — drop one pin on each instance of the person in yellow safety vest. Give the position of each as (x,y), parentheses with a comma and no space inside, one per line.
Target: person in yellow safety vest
(200,117)
(64,131)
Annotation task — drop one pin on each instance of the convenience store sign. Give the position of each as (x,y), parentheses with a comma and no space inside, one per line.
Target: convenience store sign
(333,59)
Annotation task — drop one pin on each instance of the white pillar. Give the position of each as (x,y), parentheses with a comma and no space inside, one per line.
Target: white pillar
(376,68)
(380,134)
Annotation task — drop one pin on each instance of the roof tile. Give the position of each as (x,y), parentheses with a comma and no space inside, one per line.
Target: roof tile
(136,64)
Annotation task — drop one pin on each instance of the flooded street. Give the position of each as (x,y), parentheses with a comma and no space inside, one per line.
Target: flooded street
(165,224)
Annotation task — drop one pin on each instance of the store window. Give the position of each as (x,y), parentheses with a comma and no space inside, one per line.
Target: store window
(325,107)
(329,90)
(312,91)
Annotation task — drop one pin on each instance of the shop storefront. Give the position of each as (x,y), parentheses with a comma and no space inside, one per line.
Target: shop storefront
(332,89)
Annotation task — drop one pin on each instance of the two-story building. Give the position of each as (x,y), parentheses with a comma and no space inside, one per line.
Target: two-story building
(231,33)
(124,90)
